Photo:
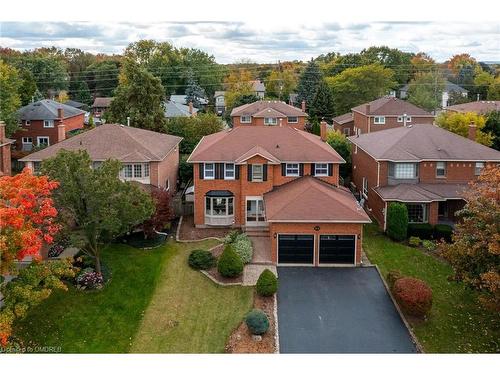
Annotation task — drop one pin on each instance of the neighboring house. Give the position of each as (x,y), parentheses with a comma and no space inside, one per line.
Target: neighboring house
(173,109)
(423,166)
(45,123)
(220,102)
(284,183)
(482,107)
(181,99)
(344,123)
(100,106)
(148,157)
(445,95)
(270,113)
(76,105)
(259,88)
(388,112)
(5,145)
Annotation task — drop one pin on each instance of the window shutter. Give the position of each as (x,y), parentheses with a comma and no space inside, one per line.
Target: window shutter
(313,169)
(219,171)
(283,169)
(301,169)
(249,172)
(330,169)
(201,167)
(236,172)
(264,172)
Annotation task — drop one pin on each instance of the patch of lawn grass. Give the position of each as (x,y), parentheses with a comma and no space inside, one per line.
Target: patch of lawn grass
(458,323)
(188,312)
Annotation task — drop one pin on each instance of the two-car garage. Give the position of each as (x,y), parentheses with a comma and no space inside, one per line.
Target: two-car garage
(301,249)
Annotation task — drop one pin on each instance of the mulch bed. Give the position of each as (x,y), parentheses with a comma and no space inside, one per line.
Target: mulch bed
(241,340)
(189,232)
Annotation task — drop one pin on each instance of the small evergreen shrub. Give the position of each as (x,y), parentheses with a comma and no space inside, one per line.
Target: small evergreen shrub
(423,231)
(397,221)
(231,237)
(257,322)
(267,284)
(392,277)
(413,296)
(429,245)
(443,231)
(414,241)
(201,260)
(230,264)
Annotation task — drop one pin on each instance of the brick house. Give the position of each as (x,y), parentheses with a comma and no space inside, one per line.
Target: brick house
(482,107)
(281,181)
(5,154)
(344,123)
(269,113)
(387,113)
(423,166)
(100,106)
(45,123)
(148,157)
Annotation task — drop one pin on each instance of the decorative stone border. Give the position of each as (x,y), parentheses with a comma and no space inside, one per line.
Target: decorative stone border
(420,348)
(276,330)
(189,241)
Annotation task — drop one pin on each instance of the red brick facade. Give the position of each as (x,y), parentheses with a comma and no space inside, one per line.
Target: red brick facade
(5,154)
(366,124)
(259,121)
(165,173)
(346,128)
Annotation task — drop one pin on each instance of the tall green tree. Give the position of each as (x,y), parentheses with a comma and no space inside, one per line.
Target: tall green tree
(355,86)
(49,72)
(492,126)
(322,105)
(10,100)
(102,206)
(281,83)
(81,93)
(426,89)
(341,144)
(393,58)
(28,87)
(102,77)
(309,82)
(494,90)
(194,92)
(139,96)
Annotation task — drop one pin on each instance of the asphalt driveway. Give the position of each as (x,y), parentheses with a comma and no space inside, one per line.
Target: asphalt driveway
(338,310)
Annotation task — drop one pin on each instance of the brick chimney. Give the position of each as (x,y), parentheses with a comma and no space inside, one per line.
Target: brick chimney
(190,108)
(61,132)
(60,114)
(2,131)
(472,131)
(367,109)
(322,128)
(303,105)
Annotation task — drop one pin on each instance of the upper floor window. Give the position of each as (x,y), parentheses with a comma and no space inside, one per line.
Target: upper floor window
(403,170)
(379,120)
(478,168)
(440,169)
(245,119)
(292,169)
(347,131)
(229,171)
(293,120)
(209,171)
(270,121)
(257,172)
(43,141)
(321,169)
(138,170)
(48,123)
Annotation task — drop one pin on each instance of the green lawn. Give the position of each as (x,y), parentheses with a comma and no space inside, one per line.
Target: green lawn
(111,320)
(457,323)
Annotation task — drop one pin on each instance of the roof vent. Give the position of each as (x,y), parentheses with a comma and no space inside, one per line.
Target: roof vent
(277,146)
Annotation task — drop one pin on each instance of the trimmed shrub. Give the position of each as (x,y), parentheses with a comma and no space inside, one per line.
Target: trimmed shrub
(392,277)
(201,260)
(429,245)
(414,241)
(231,237)
(443,231)
(257,322)
(267,284)
(230,264)
(89,279)
(413,296)
(243,247)
(423,231)
(397,221)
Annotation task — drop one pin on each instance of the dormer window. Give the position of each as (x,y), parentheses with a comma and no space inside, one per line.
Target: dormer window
(48,123)
(245,119)
(270,121)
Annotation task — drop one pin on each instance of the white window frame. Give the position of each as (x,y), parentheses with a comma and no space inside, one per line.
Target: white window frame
(270,123)
(42,137)
(243,119)
(317,169)
(212,170)
(257,178)
(48,123)
(478,168)
(229,203)
(30,142)
(167,185)
(365,188)
(441,166)
(137,170)
(379,120)
(145,170)
(293,122)
(399,168)
(232,171)
(127,168)
(291,166)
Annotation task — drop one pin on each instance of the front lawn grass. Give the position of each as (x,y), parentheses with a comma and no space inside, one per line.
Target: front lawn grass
(458,323)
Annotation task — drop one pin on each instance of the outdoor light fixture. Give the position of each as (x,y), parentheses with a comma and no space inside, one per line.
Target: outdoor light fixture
(274,235)
(317,228)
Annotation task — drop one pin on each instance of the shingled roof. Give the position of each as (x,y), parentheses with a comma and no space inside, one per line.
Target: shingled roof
(390,106)
(102,102)
(46,109)
(258,108)
(114,141)
(422,142)
(421,192)
(343,119)
(481,107)
(283,144)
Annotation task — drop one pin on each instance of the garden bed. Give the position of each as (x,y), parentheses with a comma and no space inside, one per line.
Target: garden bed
(241,340)
(188,232)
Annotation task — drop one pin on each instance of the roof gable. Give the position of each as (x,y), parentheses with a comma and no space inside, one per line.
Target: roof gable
(251,109)
(390,106)
(47,109)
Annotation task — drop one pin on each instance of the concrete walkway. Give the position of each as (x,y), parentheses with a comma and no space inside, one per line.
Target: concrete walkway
(251,272)
(261,249)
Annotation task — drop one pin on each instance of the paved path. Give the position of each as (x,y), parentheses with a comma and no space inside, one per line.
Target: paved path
(338,310)
(251,272)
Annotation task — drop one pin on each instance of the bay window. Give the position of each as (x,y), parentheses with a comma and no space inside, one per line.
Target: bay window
(219,206)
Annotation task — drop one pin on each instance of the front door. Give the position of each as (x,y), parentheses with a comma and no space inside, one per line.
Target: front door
(255,211)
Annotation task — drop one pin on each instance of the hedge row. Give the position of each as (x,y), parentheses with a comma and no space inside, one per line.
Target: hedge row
(428,231)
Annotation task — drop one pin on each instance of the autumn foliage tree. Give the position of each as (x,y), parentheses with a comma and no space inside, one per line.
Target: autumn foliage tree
(163,213)
(475,251)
